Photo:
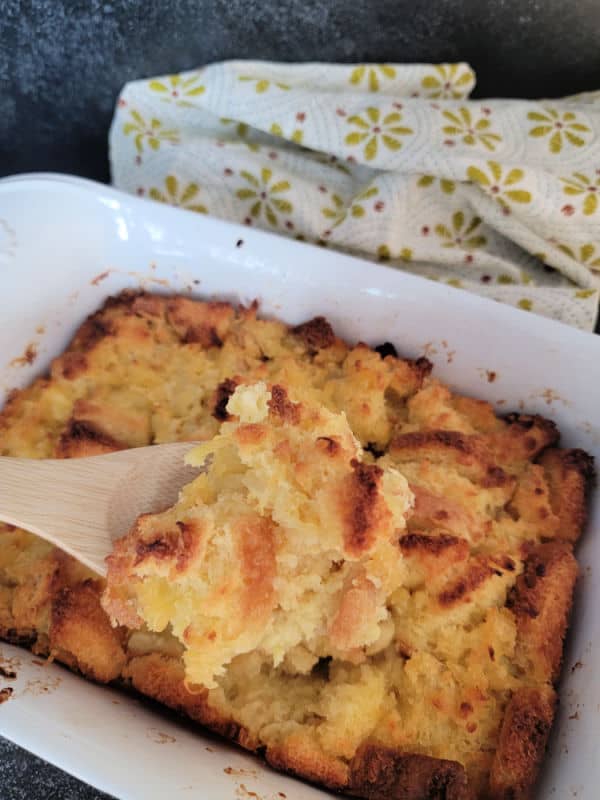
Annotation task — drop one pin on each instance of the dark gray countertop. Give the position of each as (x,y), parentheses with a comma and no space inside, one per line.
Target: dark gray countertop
(25,777)
(62,63)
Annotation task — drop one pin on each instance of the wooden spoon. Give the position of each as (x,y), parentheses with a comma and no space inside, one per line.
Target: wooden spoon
(83,504)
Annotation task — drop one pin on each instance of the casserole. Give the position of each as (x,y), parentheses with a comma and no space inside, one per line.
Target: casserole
(67,245)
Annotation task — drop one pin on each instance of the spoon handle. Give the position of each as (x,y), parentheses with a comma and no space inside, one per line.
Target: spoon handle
(63,501)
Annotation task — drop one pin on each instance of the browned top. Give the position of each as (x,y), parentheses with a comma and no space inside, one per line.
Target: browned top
(316,333)
(497,504)
(224,391)
(361,507)
(281,407)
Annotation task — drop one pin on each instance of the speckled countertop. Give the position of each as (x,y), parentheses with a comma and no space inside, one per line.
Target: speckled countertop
(62,63)
(25,777)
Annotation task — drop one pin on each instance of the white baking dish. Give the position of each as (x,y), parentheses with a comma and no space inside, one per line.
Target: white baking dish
(65,244)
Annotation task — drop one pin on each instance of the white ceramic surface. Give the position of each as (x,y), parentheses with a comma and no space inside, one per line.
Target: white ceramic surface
(66,244)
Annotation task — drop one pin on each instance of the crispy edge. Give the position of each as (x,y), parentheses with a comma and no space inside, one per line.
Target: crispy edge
(161,678)
(523,439)
(522,744)
(380,773)
(300,756)
(206,323)
(570,474)
(81,635)
(541,601)
(99,325)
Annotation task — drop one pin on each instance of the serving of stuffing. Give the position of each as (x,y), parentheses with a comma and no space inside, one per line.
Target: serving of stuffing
(368,583)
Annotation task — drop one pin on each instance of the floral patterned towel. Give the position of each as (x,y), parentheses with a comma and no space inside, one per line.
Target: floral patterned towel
(390,162)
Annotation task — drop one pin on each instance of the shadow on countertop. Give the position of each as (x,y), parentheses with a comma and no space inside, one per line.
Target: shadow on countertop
(62,62)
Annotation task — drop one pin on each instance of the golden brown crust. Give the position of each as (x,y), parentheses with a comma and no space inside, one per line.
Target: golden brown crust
(480,482)
(31,599)
(222,394)
(301,756)
(81,634)
(523,738)
(477,572)
(361,507)
(81,439)
(523,438)
(70,365)
(205,324)
(162,678)
(380,773)
(281,407)
(570,474)
(541,601)
(316,334)
(93,330)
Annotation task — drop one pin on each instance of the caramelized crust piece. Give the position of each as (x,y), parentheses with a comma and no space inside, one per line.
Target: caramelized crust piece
(81,634)
(570,474)
(523,438)
(206,324)
(81,439)
(379,773)
(525,729)
(541,601)
(316,334)
(162,677)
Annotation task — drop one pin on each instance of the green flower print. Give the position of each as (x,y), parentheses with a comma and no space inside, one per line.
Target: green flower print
(372,73)
(384,253)
(242,130)
(295,135)
(152,133)
(339,212)
(469,130)
(177,89)
(525,304)
(330,161)
(335,210)
(447,186)
(586,254)
(182,197)
(560,127)
(580,184)
(453,81)
(262,85)
(372,129)
(263,196)
(461,233)
(499,184)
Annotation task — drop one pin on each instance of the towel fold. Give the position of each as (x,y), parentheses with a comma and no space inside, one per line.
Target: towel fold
(390,162)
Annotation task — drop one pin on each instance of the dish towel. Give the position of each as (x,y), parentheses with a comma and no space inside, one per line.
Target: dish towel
(386,161)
